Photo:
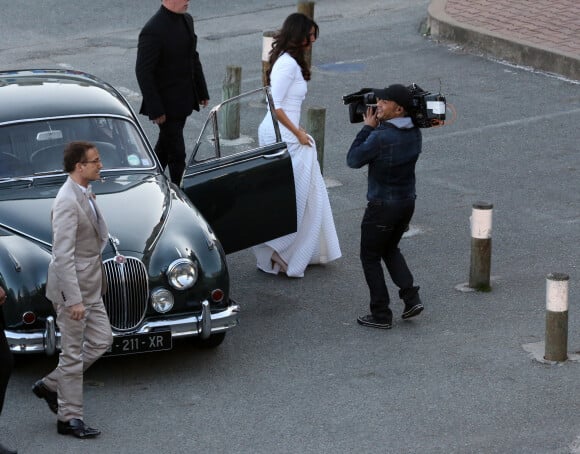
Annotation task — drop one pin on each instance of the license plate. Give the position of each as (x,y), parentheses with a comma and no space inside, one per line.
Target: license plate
(141,343)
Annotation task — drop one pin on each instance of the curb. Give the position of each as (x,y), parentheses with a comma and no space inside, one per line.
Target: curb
(444,28)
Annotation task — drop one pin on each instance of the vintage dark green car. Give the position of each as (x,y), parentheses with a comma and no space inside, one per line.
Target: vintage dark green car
(166,269)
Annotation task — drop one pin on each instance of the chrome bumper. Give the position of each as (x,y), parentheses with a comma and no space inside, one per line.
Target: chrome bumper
(203,325)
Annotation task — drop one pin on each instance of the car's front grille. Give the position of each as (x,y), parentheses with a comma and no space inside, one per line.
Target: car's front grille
(127,292)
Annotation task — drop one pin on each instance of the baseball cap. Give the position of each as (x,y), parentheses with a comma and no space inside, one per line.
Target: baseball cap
(397,93)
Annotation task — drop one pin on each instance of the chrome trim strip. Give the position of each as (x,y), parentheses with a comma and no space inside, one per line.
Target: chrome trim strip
(275,155)
(67,117)
(25,235)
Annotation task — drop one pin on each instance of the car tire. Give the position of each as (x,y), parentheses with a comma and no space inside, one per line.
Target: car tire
(212,341)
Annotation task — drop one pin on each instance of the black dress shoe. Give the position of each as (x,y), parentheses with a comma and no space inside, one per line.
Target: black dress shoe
(77,428)
(42,392)
(5,450)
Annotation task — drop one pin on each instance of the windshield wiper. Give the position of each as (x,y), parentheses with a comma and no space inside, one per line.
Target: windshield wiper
(8,179)
(48,172)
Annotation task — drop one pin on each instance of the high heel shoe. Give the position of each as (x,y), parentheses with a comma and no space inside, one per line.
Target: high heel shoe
(276,259)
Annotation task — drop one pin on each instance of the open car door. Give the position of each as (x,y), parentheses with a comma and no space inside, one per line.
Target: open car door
(245,191)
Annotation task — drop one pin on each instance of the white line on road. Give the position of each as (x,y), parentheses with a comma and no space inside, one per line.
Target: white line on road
(504,124)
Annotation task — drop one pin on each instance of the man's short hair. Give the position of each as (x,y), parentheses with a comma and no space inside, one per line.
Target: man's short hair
(75,152)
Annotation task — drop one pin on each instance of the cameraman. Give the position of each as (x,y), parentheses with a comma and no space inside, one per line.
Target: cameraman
(390,144)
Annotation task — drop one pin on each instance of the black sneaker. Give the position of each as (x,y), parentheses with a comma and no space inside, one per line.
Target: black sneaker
(369,320)
(412,310)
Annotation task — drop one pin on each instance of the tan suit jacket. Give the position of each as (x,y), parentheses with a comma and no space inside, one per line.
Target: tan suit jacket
(75,272)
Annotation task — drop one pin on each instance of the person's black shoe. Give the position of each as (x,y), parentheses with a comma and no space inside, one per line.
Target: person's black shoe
(5,450)
(369,320)
(412,310)
(42,392)
(77,428)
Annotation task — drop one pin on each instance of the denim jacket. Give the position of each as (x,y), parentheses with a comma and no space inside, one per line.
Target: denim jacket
(391,151)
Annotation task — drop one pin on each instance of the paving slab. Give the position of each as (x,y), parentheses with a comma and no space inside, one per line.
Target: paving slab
(542,34)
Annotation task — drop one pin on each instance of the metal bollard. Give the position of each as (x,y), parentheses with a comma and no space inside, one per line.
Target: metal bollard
(479,270)
(315,126)
(556,317)
(307,8)
(231,112)
(267,40)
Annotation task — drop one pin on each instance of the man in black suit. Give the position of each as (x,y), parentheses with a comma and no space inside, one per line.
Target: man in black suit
(171,79)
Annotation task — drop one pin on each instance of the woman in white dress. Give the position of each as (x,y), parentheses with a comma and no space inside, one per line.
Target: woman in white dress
(315,241)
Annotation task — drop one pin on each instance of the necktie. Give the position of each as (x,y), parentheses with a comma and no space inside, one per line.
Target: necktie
(91,199)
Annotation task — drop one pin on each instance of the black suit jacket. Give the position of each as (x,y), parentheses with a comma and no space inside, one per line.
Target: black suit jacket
(168,69)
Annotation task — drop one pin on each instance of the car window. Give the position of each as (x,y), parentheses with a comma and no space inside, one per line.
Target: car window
(232,126)
(36,147)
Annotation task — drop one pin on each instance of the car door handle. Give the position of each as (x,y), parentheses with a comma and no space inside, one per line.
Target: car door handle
(275,155)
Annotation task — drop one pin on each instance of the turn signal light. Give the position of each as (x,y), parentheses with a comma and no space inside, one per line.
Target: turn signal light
(217,295)
(29,318)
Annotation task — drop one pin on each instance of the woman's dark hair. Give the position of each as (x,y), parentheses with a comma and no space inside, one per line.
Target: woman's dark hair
(295,30)
(74,153)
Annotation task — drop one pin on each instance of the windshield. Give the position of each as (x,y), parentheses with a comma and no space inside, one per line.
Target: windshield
(36,148)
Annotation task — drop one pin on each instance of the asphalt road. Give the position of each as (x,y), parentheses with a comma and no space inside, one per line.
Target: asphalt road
(299,375)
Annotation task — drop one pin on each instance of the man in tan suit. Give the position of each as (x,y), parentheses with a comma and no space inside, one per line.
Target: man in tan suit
(75,285)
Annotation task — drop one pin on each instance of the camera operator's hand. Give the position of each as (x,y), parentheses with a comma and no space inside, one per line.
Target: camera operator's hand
(370,118)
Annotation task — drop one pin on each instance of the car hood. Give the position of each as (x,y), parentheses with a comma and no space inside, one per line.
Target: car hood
(134,206)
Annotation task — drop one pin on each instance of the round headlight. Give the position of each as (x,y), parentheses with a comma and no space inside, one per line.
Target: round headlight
(182,274)
(161,300)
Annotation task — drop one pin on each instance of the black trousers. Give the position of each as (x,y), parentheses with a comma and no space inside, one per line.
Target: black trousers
(382,227)
(6,363)
(170,147)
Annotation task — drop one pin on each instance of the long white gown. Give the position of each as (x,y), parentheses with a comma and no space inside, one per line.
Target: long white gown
(315,241)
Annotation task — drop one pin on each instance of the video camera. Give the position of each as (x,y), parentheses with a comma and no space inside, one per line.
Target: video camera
(427,109)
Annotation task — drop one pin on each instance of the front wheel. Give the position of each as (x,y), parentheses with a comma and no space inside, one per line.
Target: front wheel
(212,341)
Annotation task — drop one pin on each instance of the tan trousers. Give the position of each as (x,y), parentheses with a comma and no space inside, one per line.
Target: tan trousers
(82,343)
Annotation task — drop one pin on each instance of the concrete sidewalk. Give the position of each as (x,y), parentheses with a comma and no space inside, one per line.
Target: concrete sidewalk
(543,34)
